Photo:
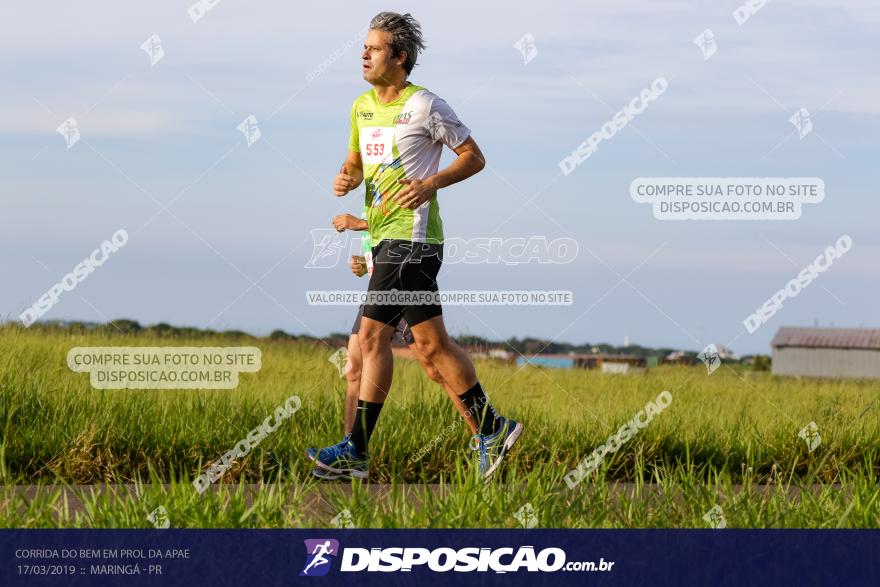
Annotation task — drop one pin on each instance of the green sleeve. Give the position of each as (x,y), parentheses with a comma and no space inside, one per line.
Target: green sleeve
(353,137)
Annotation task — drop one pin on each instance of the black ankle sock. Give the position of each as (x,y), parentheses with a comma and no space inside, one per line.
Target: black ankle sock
(476,402)
(364,421)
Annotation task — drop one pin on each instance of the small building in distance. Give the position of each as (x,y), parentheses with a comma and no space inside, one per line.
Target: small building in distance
(622,364)
(827,352)
(607,363)
(549,360)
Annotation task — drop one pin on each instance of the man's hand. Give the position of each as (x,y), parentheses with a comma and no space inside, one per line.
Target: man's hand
(358,265)
(350,176)
(343,182)
(344,222)
(416,192)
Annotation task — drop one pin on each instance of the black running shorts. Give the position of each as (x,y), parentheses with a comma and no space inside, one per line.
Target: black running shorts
(404,266)
(403,333)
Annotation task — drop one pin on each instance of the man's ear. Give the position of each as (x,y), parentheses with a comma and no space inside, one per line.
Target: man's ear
(403,57)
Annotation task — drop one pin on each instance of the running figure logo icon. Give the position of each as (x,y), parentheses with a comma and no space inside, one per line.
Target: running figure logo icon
(317,551)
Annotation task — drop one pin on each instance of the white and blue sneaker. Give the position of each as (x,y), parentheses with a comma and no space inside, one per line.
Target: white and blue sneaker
(493,447)
(340,460)
(312,453)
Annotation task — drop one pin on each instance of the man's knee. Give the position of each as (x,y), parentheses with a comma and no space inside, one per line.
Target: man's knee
(353,374)
(429,347)
(432,372)
(372,341)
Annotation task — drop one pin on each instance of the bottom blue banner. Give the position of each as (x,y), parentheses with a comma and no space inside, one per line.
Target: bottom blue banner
(436,557)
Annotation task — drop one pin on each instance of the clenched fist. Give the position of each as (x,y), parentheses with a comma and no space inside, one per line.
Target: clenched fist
(343,183)
(358,265)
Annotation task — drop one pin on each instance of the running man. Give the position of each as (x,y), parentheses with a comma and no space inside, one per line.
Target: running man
(360,266)
(319,559)
(398,130)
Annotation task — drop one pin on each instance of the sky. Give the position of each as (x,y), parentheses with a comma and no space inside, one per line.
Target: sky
(221,232)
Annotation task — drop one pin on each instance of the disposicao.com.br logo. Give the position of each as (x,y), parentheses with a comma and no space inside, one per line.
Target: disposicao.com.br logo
(317,552)
(441,560)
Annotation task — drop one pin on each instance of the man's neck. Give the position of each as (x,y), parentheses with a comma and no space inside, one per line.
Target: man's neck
(388,93)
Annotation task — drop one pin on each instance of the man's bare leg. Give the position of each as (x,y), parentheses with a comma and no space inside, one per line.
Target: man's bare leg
(434,375)
(353,382)
(496,434)
(435,345)
(374,338)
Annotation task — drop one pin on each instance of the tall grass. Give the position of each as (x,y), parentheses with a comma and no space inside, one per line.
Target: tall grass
(721,430)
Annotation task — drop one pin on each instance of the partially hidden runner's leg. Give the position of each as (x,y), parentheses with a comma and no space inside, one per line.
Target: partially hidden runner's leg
(378,366)
(348,459)
(352,381)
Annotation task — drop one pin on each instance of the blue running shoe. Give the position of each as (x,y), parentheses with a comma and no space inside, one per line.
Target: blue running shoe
(342,459)
(312,453)
(326,475)
(493,447)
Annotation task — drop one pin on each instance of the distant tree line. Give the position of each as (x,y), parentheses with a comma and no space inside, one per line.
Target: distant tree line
(524,346)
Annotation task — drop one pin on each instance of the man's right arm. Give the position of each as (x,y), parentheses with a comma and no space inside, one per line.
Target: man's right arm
(350,176)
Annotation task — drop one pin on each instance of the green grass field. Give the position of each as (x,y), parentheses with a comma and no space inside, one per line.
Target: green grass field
(727,439)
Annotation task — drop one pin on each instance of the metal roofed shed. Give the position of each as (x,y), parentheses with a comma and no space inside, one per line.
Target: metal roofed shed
(827,352)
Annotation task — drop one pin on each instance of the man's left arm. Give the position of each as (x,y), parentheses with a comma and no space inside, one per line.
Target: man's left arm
(470,161)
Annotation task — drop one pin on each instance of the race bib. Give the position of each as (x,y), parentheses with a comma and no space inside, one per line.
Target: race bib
(377,144)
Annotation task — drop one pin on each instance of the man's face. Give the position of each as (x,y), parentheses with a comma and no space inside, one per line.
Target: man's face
(379,66)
